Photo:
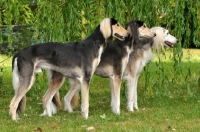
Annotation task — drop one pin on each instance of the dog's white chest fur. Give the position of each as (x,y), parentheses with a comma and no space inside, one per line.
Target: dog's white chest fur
(147,56)
(97,60)
(129,50)
(100,53)
(126,59)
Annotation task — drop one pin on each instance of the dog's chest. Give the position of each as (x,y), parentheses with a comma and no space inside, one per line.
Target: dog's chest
(100,51)
(129,50)
(147,56)
(97,60)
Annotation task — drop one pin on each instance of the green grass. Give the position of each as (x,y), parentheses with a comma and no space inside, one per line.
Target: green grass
(169,100)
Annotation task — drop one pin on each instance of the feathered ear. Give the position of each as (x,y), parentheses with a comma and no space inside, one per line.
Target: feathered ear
(105,27)
(158,42)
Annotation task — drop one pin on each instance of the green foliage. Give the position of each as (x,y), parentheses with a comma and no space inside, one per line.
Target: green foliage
(64,21)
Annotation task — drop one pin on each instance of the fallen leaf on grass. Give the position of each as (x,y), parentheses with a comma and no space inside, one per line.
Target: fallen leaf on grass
(90,128)
(38,129)
(103,116)
(53,126)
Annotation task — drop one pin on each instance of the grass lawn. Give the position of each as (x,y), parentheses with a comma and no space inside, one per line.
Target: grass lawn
(168,99)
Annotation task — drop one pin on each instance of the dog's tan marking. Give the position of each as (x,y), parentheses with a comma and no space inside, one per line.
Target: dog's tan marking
(119,32)
(144,31)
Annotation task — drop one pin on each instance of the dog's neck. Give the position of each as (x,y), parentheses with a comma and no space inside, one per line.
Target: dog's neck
(129,41)
(145,43)
(98,36)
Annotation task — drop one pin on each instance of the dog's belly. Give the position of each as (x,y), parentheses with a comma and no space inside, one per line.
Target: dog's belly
(71,72)
(104,71)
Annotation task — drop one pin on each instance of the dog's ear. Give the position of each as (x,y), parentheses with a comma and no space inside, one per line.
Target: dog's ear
(113,21)
(158,40)
(132,27)
(105,27)
(140,23)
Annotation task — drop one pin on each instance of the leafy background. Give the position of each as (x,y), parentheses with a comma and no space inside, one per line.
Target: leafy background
(27,22)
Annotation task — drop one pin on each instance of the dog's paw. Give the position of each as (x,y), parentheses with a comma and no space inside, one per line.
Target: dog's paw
(135,106)
(14,116)
(68,108)
(130,109)
(53,109)
(116,110)
(44,113)
(84,115)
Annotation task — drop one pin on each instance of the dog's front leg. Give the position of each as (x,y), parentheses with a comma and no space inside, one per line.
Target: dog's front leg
(115,83)
(85,99)
(130,98)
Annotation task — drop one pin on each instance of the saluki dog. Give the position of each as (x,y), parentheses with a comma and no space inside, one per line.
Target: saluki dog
(138,58)
(112,65)
(76,60)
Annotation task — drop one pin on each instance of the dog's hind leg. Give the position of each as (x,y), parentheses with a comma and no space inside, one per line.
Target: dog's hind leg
(74,88)
(22,82)
(115,83)
(55,82)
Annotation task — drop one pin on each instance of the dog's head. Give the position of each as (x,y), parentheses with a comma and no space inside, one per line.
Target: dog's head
(111,28)
(163,38)
(140,27)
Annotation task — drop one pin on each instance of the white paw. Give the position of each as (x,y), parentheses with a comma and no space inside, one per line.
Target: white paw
(135,106)
(44,113)
(68,107)
(130,109)
(116,110)
(84,115)
(53,108)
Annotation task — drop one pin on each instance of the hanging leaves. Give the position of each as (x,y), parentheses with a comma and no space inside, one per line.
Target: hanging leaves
(67,20)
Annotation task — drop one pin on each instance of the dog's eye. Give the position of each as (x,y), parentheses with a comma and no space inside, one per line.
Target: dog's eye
(144,26)
(117,24)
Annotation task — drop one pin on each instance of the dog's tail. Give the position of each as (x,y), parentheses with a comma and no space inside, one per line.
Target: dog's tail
(56,100)
(74,100)
(16,84)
